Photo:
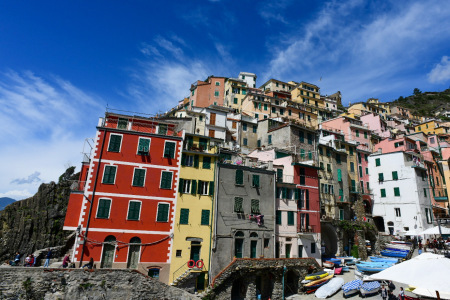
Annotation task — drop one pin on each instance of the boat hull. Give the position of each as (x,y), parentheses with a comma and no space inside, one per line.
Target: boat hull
(317,275)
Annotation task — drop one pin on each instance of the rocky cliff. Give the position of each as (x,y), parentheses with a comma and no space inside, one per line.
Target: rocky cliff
(37,222)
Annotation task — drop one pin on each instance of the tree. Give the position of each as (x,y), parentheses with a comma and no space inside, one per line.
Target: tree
(417,92)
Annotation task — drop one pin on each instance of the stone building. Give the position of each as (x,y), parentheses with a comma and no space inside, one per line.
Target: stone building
(244,210)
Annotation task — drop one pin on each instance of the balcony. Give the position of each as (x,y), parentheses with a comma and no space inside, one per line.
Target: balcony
(285,179)
(77,186)
(196,147)
(310,229)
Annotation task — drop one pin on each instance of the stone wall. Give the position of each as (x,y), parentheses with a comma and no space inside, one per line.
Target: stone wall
(39,283)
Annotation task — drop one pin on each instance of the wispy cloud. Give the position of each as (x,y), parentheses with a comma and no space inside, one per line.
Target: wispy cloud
(440,72)
(274,11)
(362,50)
(17,194)
(33,178)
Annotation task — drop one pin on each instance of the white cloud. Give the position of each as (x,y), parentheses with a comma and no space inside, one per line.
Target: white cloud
(17,194)
(45,122)
(440,72)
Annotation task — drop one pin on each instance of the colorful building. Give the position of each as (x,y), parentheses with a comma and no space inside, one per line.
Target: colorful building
(208,92)
(123,210)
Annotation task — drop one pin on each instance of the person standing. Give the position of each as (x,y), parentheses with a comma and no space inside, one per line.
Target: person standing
(401,295)
(47,258)
(384,292)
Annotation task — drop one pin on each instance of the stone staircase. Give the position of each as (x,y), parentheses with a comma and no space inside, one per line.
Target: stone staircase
(185,277)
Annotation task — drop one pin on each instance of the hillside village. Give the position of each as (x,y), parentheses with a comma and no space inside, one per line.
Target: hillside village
(236,171)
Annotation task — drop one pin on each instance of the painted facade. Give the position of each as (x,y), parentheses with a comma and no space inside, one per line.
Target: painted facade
(208,92)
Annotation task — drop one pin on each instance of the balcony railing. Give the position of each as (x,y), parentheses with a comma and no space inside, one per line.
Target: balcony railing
(285,179)
(306,229)
(196,147)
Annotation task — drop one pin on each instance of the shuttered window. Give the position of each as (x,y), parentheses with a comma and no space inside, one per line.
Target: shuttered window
(290,218)
(162,129)
(163,212)
(377,162)
(166,180)
(134,210)
(341,195)
(353,186)
(397,192)
(205,217)
(206,162)
(383,193)
(169,149)
(279,175)
(211,188)
(103,208)
(239,178)
(139,177)
(144,146)
(278,217)
(109,175)
(193,187)
(115,141)
(394,175)
(339,175)
(255,181)
(360,171)
(196,161)
(122,124)
(203,143)
(380,177)
(297,194)
(238,208)
(184,216)
(338,158)
(255,206)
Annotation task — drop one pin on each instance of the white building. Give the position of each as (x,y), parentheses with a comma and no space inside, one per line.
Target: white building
(250,78)
(402,202)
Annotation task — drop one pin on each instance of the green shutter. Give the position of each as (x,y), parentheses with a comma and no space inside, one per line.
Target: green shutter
(184,216)
(194,187)
(211,188)
(206,162)
(114,143)
(278,217)
(301,136)
(397,192)
(203,143)
(205,217)
(284,192)
(380,177)
(181,184)
(377,162)
(339,174)
(297,194)
(360,171)
(183,159)
(394,175)
(353,186)
(341,195)
(383,193)
(144,146)
(166,180)
(239,178)
(359,157)
(338,158)
(238,205)
(255,206)
(196,160)
(290,218)
(169,150)
(133,210)
(122,124)
(425,192)
(103,208)
(255,181)
(163,212)
(139,177)
(351,150)
(302,153)
(110,174)
(352,167)
(279,175)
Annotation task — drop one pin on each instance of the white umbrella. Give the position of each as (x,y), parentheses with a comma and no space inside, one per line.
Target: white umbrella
(435,230)
(427,271)
(428,293)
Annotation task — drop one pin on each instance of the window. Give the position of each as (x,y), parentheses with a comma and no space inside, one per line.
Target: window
(360,171)
(235,100)
(365,134)
(394,175)
(217,83)
(103,208)
(162,129)
(313,247)
(351,150)
(357,132)
(352,167)
(341,195)
(301,136)
(367,171)
(398,213)
(178,253)
(244,127)
(328,152)
(425,192)
(109,174)
(368,187)
(265,106)
(187,160)
(254,128)
(216,93)
(203,187)
(397,192)
(256,116)
(341,214)
(270,139)
(278,217)
(338,158)
(279,175)
(353,186)
(310,138)
(122,124)
(383,193)
(255,181)
(239,178)
(321,165)
(320,150)
(281,111)
(428,214)
(205,217)
(154,273)
(274,110)
(115,142)
(163,212)
(166,180)
(258,143)
(185,186)
(139,177)
(380,177)
(245,141)
(206,162)
(290,112)
(255,206)
(169,149)
(184,216)
(238,207)
(143,146)
(339,175)
(134,210)
(290,218)
(377,162)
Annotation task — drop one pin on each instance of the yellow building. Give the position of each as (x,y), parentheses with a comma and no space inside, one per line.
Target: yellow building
(235,90)
(362,108)
(430,127)
(193,223)
(308,94)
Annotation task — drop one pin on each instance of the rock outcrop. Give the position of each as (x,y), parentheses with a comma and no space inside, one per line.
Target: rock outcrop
(37,222)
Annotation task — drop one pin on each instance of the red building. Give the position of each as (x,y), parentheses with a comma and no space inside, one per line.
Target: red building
(124,204)
(306,180)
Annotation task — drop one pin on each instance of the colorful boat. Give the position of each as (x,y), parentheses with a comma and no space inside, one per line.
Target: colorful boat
(369,288)
(401,243)
(328,264)
(397,249)
(352,287)
(345,258)
(371,268)
(384,259)
(329,288)
(337,262)
(317,281)
(345,269)
(317,275)
(393,253)
(337,271)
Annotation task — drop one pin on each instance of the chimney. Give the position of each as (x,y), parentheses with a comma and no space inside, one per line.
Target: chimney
(270,165)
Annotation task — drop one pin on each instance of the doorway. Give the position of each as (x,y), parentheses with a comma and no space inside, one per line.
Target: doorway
(134,253)
(288,250)
(195,251)
(108,252)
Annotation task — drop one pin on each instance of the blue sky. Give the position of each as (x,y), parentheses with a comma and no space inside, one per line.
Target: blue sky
(63,62)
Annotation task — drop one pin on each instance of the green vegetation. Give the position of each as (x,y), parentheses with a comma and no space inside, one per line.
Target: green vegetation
(425,103)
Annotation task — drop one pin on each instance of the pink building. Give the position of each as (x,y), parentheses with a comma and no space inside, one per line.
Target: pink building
(208,92)
(375,123)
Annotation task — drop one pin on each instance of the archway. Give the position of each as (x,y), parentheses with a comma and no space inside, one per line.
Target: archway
(379,223)
(108,252)
(253,244)
(390,225)
(238,244)
(134,253)
(290,283)
(329,239)
(238,290)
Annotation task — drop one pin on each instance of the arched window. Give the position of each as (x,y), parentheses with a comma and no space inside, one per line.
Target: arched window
(239,234)
(108,252)
(253,235)
(238,244)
